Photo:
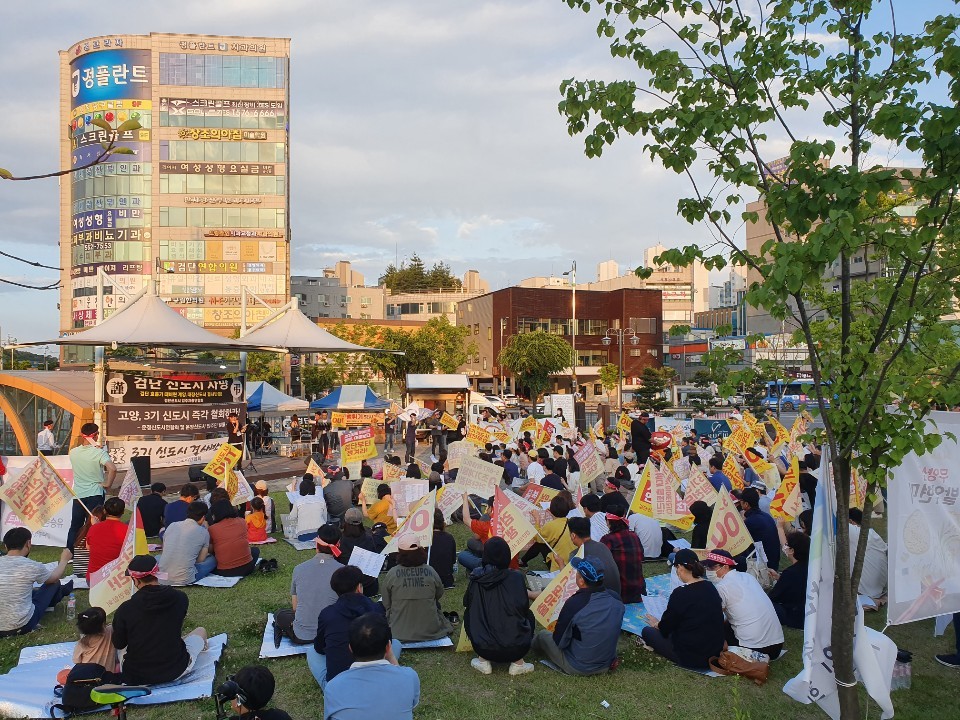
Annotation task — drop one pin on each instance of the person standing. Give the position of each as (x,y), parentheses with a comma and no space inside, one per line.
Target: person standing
(389,431)
(235,433)
(640,438)
(93,473)
(46,442)
(438,439)
(410,438)
(321,433)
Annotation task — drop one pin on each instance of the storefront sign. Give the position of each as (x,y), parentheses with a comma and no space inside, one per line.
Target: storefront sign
(179,106)
(231,134)
(166,420)
(110,74)
(207,168)
(244,233)
(211,200)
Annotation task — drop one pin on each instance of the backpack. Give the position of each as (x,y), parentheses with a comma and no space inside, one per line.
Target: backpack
(75,692)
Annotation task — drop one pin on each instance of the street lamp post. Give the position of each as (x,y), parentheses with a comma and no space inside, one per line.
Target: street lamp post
(620,334)
(572,272)
(503,377)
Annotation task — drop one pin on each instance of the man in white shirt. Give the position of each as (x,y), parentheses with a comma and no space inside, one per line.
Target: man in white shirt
(752,622)
(22,605)
(535,470)
(598,520)
(650,534)
(46,442)
(873,578)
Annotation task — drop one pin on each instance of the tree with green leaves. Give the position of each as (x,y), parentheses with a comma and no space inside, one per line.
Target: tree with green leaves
(318,378)
(651,394)
(533,357)
(704,398)
(610,377)
(414,275)
(713,84)
(265,366)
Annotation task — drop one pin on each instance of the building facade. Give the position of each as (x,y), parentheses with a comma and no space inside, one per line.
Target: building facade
(340,293)
(495,317)
(424,305)
(199,198)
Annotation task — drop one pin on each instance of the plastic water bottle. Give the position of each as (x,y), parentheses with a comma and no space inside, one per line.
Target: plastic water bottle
(72,607)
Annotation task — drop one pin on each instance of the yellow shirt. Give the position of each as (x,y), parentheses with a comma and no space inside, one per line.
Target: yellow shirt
(380,512)
(557,536)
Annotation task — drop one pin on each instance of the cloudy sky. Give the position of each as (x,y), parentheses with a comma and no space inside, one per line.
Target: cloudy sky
(426,126)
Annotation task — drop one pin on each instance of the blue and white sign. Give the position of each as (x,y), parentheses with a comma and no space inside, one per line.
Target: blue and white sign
(110,75)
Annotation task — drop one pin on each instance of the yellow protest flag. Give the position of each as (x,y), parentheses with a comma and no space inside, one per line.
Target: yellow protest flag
(781,437)
(37,495)
(786,504)
(858,489)
(463,642)
(642,498)
(623,423)
(528,424)
(546,608)
(666,505)
(225,458)
(477,435)
(110,586)
(699,488)
(509,523)
(727,529)
(741,437)
(731,468)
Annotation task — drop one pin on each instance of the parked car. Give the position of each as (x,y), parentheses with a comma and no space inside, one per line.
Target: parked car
(511,400)
(496,401)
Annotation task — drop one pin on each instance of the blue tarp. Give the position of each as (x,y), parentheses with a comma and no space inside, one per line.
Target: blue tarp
(351,397)
(264,397)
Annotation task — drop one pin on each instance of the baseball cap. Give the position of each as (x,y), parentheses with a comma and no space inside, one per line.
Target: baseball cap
(261,485)
(719,557)
(408,542)
(590,569)
(142,566)
(333,470)
(686,556)
(533,454)
(353,516)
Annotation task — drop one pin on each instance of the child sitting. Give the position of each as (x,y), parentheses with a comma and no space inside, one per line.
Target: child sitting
(256,521)
(95,644)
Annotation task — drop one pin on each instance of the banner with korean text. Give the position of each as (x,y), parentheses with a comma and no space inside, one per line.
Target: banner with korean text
(727,530)
(419,524)
(110,586)
(546,608)
(478,477)
(37,494)
(357,445)
(53,533)
(509,523)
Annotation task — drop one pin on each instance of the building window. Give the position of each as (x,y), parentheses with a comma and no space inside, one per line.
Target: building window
(484,362)
(222,70)
(643,326)
(476,328)
(489,333)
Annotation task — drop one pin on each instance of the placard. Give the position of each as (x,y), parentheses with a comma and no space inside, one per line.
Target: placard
(357,445)
(54,531)
(456,451)
(478,477)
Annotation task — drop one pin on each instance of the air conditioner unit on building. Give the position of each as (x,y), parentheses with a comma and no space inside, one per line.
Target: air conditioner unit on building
(326,304)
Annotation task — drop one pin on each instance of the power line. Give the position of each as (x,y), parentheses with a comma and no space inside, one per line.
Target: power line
(30,262)
(51,286)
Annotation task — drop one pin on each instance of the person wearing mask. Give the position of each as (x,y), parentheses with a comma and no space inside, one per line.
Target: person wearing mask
(152,508)
(21,605)
(46,442)
(310,591)
(702,513)
(752,622)
(186,548)
(873,577)
(309,510)
(177,510)
(497,616)
(330,653)
(382,511)
(640,436)
(627,552)
(229,543)
(762,527)
(93,474)
(580,537)
(105,539)
(612,500)
(411,592)
(584,640)
(256,684)
(148,628)
(690,632)
(443,551)
(716,477)
(789,594)
(374,686)
(598,519)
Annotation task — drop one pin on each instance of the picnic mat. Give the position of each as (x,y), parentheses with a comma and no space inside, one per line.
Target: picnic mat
(635,617)
(286,649)
(425,644)
(27,690)
(265,542)
(301,544)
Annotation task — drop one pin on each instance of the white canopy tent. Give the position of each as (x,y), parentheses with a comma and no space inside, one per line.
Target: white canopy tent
(293,330)
(263,397)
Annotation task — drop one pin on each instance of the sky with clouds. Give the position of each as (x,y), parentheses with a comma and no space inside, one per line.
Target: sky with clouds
(426,126)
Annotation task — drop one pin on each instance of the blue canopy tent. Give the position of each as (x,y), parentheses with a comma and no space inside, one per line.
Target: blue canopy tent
(265,398)
(351,397)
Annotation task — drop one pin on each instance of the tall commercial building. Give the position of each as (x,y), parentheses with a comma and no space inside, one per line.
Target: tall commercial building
(200,200)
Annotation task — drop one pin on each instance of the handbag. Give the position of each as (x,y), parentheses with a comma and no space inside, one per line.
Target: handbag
(759,570)
(730,663)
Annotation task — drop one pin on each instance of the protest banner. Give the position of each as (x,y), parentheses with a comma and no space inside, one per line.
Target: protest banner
(665,504)
(545,433)
(798,429)
(780,437)
(727,531)
(37,495)
(391,472)
(509,523)
(478,477)
(591,466)
(532,511)
(163,453)
(699,488)
(741,437)
(166,420)
(419,524)
(110,586)
(126,388)
(407,492)
(238,488)
(368,488)
(528,424)
(538,494)
(357,445)
(456,451)
(731,468)
(502,437)
(786,504)
(317,472)
(477,435)
(449,499)
(546,608)
(642,497)
(449,421)
(340,419)
(130,490)
(225,458)
(623,423)
(53,533)
(680,466)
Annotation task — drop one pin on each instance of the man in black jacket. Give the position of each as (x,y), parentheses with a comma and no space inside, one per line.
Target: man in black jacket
(640,438)
(148,626)
(254,686)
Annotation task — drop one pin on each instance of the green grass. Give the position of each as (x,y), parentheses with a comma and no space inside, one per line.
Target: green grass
(643,687)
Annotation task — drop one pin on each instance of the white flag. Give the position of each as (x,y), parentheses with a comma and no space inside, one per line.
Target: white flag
(130,490)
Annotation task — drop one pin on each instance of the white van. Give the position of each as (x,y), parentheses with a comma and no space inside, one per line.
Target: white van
(475,407)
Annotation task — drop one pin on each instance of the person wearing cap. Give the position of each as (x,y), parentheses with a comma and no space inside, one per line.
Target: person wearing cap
(256,684)
(309,510)
(411,592)
(580,537)
(612,500)
(690,631)
(151,509)
(375,685)
(752,621)
(46,442)
(355,535)
(627,553)
(584,640)
(762,527)
(497,616)
(535,470)
(149,627)
(93,473)
(21,605)
(640,437)
(330,653)
(262,491)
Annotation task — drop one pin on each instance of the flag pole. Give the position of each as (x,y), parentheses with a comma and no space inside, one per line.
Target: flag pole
(65,484)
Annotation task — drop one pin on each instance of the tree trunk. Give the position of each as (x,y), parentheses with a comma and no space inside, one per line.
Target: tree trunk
(844,598)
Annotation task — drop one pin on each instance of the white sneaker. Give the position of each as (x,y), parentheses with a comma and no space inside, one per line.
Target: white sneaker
(521,668)
(482,666)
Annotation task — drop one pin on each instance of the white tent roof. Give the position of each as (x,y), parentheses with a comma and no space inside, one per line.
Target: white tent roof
(263,397)
(298,334)
(454,381)
(148,322)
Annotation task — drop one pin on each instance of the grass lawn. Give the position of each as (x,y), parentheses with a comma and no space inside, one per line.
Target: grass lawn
(643,687)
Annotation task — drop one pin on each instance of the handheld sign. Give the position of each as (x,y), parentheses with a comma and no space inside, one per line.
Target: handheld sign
(478,477)
(37,495)
(509,523)
(786,504)
(727,531)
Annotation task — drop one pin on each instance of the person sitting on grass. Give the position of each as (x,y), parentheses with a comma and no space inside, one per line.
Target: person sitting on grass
(627,553)
(330,653)
(256,521)
(309,510)
(229,543)
(152,508)
(497,618)
(105,539)
(176,511)
(22,605)
(355,535)
(789,594)
(310,591)
(256,684)
(411,592)
(382,510)
(584,640)
(690,632)
(148,627)
(95,644)
(186,547)
(375,685)
(443,550)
